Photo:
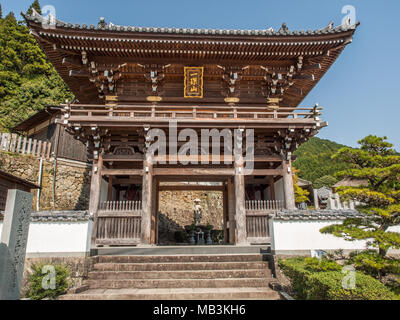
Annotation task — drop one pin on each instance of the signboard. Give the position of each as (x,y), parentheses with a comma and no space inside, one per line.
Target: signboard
(193,82)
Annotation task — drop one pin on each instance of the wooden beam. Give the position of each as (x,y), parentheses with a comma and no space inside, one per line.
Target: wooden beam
(123,158)
(193,172)
(191,188)
(266,172)
(75,61)
(315,66)
(78,74)
(122,172)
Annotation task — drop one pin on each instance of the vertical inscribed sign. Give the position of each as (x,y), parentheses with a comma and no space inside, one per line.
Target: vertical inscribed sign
(193,82)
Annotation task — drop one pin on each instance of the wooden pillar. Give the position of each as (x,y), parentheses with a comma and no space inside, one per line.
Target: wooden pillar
(94,200)
(271,181)
(147,188)
(240,199)
(110,188)
(288,185)
(154,209)
(231,210)
(225,214)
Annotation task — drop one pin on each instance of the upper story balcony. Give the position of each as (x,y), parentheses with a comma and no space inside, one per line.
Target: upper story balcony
(192,116)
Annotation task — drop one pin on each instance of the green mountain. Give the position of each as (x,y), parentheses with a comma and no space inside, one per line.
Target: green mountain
(314,159)
(28,81)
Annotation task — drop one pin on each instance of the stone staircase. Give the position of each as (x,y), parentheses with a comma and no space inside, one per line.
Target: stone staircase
(178,277)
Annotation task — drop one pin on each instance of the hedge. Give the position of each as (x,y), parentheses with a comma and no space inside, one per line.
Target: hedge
(309,283)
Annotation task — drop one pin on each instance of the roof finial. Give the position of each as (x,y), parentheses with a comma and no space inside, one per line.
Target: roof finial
(284,27)
(102,23)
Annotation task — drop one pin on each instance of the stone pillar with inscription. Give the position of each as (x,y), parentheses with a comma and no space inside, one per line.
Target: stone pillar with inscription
(14,238)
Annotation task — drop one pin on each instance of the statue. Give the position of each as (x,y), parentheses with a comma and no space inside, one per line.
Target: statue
(197,212)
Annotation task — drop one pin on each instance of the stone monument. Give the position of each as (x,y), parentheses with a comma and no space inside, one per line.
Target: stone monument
(13,242)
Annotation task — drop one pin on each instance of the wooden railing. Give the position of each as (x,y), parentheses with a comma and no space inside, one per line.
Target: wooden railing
(257,227)
(18,144)
(188,112)
(118,230)
(119,223)
(264,205)
(112,206)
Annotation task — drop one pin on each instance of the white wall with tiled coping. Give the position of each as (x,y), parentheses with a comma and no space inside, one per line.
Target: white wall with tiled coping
(301,236)
(53,238)
(72,238)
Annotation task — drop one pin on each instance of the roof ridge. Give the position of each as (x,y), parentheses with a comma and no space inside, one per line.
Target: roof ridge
(283,31)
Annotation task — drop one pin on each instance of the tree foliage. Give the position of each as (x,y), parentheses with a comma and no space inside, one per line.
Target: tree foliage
(314,159)
(300,194)
(325,181)
(28,81)
(377,162)
(35,5)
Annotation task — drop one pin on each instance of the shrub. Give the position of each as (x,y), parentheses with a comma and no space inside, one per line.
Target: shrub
(40,286)
(180,236)
(310,283)
(374,264)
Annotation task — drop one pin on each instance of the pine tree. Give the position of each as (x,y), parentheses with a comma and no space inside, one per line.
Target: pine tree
(378,163)
(28,81)
(35,5)
(1,12)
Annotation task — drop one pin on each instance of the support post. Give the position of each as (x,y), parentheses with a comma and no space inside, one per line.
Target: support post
(288,185)
(110,188)
(94,200)
(154,208)
(231,210)
(225,213)
(147,188)
(271,182)
(241,238)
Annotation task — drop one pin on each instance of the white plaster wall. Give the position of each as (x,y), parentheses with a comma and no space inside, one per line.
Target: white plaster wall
(58,238)
(291,236)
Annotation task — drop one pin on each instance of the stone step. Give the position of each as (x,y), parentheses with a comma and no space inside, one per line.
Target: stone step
(181,258)
(183,274)
(172,283)
(172,266)
(187,250)
(176,294)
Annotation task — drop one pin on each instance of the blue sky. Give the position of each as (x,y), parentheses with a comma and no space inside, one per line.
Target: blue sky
(359,93)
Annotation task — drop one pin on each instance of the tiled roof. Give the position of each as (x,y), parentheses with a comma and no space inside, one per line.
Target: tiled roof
(59,216)
(283,31)
(293,215)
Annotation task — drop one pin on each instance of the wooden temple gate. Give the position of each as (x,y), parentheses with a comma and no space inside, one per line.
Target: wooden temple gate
(124,222)
(129,80)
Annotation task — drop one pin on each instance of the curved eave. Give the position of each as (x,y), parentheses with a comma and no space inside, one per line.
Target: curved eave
(253,49)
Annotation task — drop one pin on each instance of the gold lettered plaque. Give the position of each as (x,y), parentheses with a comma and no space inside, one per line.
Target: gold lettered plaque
(193,82)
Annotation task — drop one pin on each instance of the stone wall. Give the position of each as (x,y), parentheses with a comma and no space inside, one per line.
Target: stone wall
(176,211)
(72,180)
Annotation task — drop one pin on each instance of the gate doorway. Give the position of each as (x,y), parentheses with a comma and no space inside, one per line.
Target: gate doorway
(174,221)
